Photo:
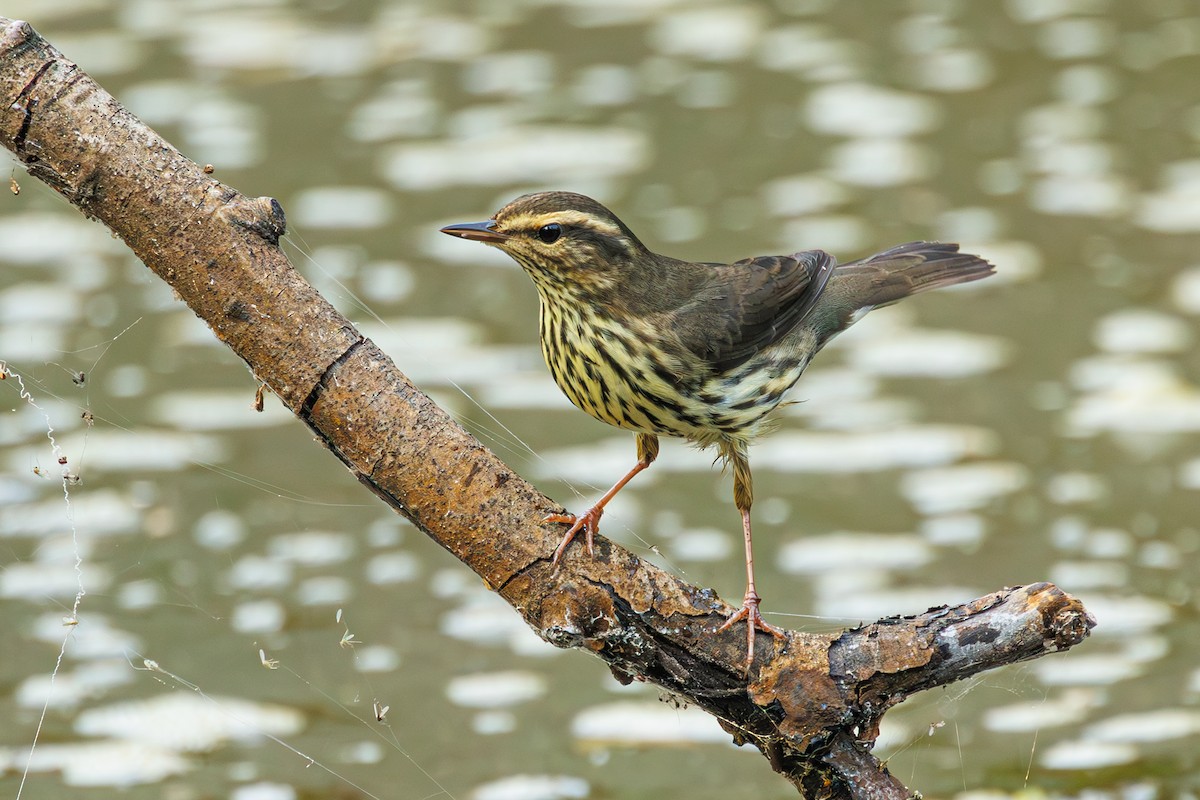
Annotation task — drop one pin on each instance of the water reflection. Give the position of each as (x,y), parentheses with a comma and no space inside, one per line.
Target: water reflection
(1041,426)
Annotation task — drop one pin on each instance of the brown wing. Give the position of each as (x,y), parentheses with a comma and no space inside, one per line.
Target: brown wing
(746,306)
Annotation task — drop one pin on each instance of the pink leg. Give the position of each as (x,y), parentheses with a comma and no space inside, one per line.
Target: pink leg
(749,610)
(647,445)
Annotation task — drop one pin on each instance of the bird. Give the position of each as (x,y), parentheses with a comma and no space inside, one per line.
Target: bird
(701,351)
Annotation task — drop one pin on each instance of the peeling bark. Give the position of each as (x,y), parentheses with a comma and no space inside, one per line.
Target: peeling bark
(811,705)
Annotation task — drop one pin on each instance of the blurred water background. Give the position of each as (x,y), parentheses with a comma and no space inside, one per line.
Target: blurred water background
(1041,425)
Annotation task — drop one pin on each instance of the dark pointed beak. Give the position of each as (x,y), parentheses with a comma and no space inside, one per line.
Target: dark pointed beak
(478,231)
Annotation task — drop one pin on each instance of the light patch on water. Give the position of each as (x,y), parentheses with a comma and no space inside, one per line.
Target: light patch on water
(374,658)
(502,155)
(263,790)
(1080,195)
(342,207)
(1142,330)
(850,109)
(893,734)
(136,595)
(971,223)
(226,132)
(954,530)
(23,343)
(363,752)
(912,446)
(495,689)
(219,529)
(835,233)
(953,69)
(36,237)
(895,351)
(101,53)
(605,85)
(1079,575)
(105,763)
(1189,477)
(1076,37)
(1159,555)
(1087,84)
(1041,11)
(442,352)
(67,689)
(1001,176)
(1065,708)
(484,618)
(866,415)
(186,722)
(254,571)
(217,410)
(1082,754)
(258,616)
(1124,394)
(532,787)
(1175,208)
(1070,534)
(107,513)
(1147,726)
(493,723)
(680,223)
(402,108)
(388,568)
(824,391)
(867,604)
(312,548)
(718,33)
(965,487)
(37,305)
(93,638)
(702,544)
(803,194)
(37,582)
(144,449)
(813,555)
(1073,488)
(878,162)
(1185,290)
(630,723)
(404,32)
(1084,670)
(528,389)
(324,590)
(807,50)
(1126,615)
(509,73)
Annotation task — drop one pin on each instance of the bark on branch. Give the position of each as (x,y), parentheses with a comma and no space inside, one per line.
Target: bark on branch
(812,706)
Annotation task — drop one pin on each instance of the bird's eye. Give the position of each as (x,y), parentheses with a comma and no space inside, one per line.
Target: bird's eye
(550,233)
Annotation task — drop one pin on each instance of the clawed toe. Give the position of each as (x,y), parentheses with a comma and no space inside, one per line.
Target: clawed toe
(754,622)
(589,522)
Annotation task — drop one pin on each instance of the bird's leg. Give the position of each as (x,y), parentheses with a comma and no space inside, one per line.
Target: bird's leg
(743,496)
(647,449)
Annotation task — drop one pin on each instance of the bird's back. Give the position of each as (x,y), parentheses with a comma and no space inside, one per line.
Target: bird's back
(711,365)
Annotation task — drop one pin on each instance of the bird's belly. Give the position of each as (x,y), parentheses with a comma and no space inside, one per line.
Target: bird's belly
(622,383)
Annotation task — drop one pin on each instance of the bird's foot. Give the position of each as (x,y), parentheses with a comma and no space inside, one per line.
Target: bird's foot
(754,622)
(589,521)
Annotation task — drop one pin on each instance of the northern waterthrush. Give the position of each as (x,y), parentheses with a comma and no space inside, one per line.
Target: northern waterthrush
(702,351)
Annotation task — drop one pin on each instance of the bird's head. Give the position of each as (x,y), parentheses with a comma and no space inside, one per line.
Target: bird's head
(568,243)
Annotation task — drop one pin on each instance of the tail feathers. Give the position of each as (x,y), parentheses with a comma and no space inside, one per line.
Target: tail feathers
(908,269)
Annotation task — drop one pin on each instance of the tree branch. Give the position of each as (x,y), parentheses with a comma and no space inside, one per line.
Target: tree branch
(811,706)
